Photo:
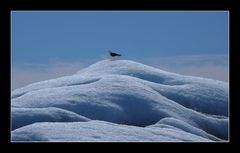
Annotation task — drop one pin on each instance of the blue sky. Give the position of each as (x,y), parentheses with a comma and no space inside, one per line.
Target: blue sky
(44,40)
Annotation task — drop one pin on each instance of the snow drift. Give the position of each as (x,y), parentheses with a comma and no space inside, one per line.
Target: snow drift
(128,97)
(25,116)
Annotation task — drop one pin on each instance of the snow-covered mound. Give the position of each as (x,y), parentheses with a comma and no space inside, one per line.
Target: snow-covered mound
(121,92)
(99,131)
(26,116)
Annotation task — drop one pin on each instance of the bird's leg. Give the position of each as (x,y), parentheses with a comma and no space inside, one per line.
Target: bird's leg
(112,58)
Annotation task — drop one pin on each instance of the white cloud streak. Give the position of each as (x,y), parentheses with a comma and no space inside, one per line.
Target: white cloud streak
(209,66)
(29,73)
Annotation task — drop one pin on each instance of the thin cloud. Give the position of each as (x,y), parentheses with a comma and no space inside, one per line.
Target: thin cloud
(209,66)
(208,71)
(29,73)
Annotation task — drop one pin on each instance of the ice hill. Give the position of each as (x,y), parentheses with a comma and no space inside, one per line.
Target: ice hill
(121,100)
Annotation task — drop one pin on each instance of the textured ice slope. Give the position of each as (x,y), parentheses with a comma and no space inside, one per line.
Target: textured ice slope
(125,92)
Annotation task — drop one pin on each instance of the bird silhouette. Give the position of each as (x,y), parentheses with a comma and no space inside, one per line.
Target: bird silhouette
(114,54)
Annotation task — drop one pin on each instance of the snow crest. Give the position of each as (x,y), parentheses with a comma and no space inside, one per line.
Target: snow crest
(121,96)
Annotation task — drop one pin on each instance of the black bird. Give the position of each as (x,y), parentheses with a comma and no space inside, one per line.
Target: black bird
(114,54)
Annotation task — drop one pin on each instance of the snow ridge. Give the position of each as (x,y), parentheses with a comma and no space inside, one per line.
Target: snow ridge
(129,96)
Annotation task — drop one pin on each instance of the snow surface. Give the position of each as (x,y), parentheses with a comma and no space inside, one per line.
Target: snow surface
(26,116)
(99,131)
(121,100)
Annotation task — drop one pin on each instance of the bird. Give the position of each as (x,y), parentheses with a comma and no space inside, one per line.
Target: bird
(114,54)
